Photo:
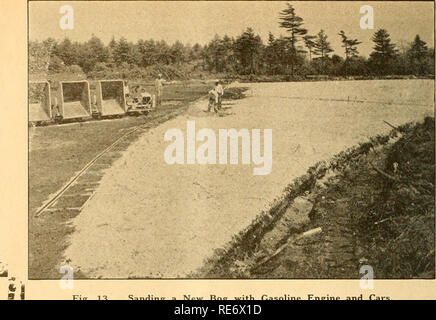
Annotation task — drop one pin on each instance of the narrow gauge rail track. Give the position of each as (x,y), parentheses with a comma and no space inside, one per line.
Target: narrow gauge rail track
(50,204)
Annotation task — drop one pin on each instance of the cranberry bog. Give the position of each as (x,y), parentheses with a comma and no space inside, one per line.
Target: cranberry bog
(148,219)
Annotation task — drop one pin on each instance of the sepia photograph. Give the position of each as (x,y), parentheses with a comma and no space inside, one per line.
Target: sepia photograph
(230,140)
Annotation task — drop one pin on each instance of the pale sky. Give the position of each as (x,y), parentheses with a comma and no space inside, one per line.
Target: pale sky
(198,21)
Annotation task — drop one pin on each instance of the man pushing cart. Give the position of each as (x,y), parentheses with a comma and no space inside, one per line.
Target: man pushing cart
(213,100)
(215,97)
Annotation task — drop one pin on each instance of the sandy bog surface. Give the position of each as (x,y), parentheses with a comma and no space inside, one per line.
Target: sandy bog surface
(151,219)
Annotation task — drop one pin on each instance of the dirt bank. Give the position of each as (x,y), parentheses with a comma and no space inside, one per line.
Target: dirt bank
(370,205)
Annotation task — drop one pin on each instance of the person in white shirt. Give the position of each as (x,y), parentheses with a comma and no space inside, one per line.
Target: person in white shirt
(158,86)
(220,90)
(213,100)
(126,89)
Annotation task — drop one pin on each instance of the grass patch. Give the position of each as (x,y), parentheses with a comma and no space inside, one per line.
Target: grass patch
(58,152)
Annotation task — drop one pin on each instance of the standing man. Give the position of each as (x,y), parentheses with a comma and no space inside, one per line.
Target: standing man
(219,89)
(213,100)
(126,88)
(158,86)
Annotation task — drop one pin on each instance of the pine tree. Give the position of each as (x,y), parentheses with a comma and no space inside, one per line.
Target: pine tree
(111,49)
(216,54)
(350,46)
(383,57)
(121,51)
(310,44)
(417,55)
(269,56)
(248,47)
(322,47)
(293,24)
(229,58)
(65,51)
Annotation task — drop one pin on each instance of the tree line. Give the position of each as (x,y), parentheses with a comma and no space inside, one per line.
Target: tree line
(296,53)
